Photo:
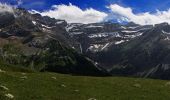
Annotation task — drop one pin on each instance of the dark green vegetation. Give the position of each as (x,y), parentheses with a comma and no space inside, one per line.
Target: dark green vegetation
(29,85)
(52,57)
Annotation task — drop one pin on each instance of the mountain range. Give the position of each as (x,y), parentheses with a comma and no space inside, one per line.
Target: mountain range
(43,44)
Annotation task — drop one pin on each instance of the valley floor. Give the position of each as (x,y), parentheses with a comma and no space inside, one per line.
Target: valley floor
(51,86)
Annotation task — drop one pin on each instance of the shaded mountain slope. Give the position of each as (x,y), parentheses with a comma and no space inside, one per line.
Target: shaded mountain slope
(41,44)
(145,56)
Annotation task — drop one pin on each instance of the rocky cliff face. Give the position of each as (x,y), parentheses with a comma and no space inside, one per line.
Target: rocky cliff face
(99,36)
(128,50)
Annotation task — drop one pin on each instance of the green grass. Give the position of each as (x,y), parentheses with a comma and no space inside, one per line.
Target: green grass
(52,86)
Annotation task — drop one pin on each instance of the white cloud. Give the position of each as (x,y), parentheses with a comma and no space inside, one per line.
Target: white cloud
(127,15)
(73,14)
(19,2)
(6,8)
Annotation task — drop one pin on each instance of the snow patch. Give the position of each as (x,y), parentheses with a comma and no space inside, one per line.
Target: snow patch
(106,45)
(59,22)
(98,35)
(94,26)
(165,32)
(167,39)
(126,31)
(95,47)
(117,34)
(69,27)
(119,42)
(34,22)
(133,27)
(76,33)
(46,26)
(123,27)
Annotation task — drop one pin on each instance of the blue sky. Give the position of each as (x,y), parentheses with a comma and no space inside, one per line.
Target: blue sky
(137,5)
(131,10)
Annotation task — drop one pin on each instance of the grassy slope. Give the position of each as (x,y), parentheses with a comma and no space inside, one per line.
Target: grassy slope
(44,86)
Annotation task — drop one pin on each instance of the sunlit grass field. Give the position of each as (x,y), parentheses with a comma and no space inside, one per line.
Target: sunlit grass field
(22,84)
